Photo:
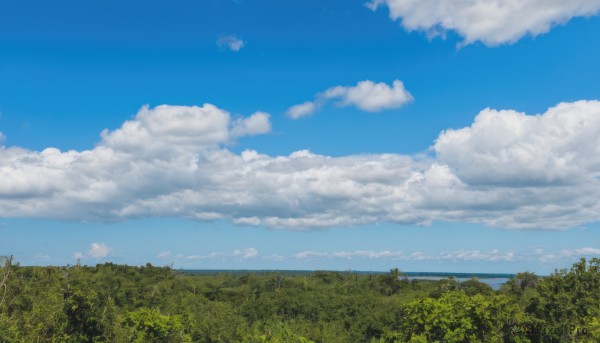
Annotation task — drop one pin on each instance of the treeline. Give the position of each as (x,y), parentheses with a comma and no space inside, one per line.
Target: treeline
(119,303)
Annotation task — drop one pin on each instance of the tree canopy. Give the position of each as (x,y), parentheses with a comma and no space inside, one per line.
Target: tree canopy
(119,303)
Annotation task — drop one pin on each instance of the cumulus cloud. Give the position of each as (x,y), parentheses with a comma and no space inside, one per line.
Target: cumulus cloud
(166,127)
(230,42)
(492,22)
(560,147)
(370,96)
(96,251)
(256,124)
(298,111)
(507,169)
(366,95)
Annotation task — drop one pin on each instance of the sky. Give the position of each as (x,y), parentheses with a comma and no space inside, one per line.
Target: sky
(442,136)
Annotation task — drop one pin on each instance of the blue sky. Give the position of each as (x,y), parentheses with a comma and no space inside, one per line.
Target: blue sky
(414,174)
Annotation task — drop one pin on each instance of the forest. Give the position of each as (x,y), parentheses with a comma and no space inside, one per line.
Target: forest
(119,303)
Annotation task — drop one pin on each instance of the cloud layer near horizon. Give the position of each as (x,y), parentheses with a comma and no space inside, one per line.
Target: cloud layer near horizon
(507,170)
(493,255)
(492,22)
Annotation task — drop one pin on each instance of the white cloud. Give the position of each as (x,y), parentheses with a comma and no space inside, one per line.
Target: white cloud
(560,147)
(230,42)
(256,124)
(210,256)
(462,255)
(166,127)
(246,253)
(580,252)
(370,96)
(477,255)
(366,95)
(507,170)
(302,110)
(493,255)
(492,22)
(96,251)
(2,139)
(349,254)
(164,255)
(567,254)
(237,255)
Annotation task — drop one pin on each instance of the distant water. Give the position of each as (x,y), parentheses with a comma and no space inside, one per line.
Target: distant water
(494,282)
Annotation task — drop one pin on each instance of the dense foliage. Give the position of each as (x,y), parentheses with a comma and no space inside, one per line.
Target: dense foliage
(118,303)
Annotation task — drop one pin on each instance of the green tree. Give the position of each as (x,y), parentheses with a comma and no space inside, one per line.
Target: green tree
(149,325)
(474,286)
(566,299)
(456,317)
(391,282)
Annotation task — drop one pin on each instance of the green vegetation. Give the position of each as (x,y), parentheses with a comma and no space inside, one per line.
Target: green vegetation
(118,303)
